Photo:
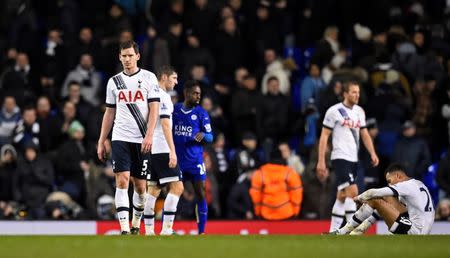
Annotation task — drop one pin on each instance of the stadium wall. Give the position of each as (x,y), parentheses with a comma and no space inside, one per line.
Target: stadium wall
(188,227)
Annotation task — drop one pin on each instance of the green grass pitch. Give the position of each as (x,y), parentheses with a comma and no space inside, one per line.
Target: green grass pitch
(277,246)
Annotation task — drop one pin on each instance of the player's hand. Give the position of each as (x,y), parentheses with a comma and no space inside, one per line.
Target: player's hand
(321,168)
(172,159)
(199,136)
(146,145)
(374,159)
(101,151)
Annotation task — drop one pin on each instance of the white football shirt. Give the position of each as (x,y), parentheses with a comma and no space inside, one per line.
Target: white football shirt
(418,201)
(165,112)
(130,95)
(345,123)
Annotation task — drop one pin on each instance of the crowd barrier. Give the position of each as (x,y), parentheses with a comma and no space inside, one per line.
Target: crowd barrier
(215,227)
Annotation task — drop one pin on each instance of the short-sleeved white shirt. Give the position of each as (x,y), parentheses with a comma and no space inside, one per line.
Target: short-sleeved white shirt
(418,201)
(345,123)
(165,112)
(130,95)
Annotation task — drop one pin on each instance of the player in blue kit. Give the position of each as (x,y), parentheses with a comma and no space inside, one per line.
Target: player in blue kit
(192,128)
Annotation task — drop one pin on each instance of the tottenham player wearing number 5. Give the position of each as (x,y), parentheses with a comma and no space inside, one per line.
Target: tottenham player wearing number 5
(132,105)
(192,128)
(416,218)
(164,169)
(345,121)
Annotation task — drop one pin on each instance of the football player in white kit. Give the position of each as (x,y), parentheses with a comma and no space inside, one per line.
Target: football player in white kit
(164,169)
(405,205)
(345,122)
(132,106)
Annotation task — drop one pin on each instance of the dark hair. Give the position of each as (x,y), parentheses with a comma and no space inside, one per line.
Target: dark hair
(396,167)
(346,85)
(189,85)
(271,78)
(164,70)
(129,44)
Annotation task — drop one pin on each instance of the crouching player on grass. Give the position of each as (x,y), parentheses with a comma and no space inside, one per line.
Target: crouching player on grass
(405,205)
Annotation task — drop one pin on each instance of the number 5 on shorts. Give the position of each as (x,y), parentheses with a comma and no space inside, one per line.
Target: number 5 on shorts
(144,167)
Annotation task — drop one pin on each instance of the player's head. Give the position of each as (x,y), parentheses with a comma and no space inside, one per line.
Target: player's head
(129,54)
(167,77)
(395,173)
(351,92)
(192,93)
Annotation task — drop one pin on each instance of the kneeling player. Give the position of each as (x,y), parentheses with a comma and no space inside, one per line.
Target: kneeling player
(163,165)
(416,218)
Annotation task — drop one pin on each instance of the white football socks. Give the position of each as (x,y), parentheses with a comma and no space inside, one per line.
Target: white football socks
(170,208)
(337,215)
(122,208)
(149,215)
(138,209)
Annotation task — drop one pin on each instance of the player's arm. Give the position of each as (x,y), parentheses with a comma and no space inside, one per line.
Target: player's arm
(376,193)
(167,130)
(107,123)
(205,133)
(323,142)
(368,143)
(153,106)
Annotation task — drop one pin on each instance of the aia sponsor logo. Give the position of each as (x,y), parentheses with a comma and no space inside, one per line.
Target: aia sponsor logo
(351,123)
(129,96)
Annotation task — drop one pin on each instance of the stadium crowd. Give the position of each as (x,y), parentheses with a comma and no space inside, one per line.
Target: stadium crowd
(269,69)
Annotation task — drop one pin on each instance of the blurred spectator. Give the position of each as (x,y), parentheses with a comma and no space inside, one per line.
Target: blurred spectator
(35,177)
(443,210)
(368,175)
(239,203)
(221,163)
(445,111)
(363,50)
(412,152)
(9,119)
(246,105)
(247,158)
(330,96)
(274,125)
(54,64)
(200,18)
(27,130)
(228,49)
(263,32)
(215,112)
(60,206)
(88,78)
(291,159)
(174,96)
(154,51)
(49,125)
(8,165)
(317,195)
(212,187)
(20,82)
(311,129)
(195,54)
(84,108)
(443,175)
(327,48)
(69,113)
(311,87)
(106,209)
(276,190)
(174,41)
(86,44)
(72,164)
(174,14)
(275,68)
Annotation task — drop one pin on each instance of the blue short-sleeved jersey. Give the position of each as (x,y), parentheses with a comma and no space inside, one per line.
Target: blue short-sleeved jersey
(186,124)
